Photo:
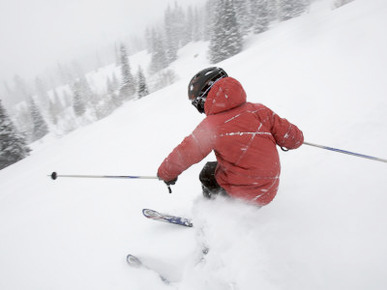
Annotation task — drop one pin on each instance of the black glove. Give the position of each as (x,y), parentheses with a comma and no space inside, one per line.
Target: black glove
(171,182)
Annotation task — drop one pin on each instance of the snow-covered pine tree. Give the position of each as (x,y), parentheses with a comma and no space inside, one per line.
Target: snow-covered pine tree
(149,40)
(142,86)
(181,24)
(113,94)
(116,54)
(226,39)
(191,25)
(109,86)
(288,9)
(23,120)
(175,30)
(172,37)
(110,101)
(339,3)
(261,12)
(243,15)
(79,105)
(201,23)
(67,98)
(13,146)
(128,86)
(159,59)
(91,99)
(115,82)
(285,9)
(54,107)
(40,128)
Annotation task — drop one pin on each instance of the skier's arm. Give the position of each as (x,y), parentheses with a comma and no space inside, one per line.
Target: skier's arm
(192,150)
(285,133)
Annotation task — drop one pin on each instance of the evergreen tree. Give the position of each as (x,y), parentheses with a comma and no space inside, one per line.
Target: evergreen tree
(142,86)
(128,87)
(196,23)
(260,8)
(149,40)
(243,15)
(39,129)
(175,30)
(172,40)
(116,54)
(79,105)
(13,146)
(339,3)
(191,28)
(109,86)
(54,107)
(67,98)
(288,9)
(88,95)
(181,26)
(159,59)
(115,82)
(226,39)
(23,120)
(209,18)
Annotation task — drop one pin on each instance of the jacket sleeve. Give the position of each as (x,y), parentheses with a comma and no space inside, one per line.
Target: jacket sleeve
(193,149)
(285,133)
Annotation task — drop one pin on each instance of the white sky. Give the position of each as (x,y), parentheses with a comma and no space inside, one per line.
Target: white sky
(35,34)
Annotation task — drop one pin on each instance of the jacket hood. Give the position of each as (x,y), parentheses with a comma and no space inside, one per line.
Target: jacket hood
(226,94)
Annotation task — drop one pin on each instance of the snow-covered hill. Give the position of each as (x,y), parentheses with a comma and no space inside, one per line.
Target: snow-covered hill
(326,229)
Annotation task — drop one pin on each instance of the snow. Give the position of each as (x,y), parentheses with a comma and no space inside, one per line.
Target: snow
(326,229)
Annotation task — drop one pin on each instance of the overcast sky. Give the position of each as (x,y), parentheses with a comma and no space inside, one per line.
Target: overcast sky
(35,34)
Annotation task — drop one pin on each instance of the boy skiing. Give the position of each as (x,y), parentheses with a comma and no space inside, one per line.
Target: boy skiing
(243,136)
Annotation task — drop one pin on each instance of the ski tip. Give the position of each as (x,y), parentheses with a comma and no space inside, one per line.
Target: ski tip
(133,261)
(150,213)
(145,210)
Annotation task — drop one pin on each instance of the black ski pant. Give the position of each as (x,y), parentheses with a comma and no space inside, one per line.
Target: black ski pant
(209,184)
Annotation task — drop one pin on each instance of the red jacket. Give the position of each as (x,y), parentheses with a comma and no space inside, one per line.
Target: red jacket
(243,136)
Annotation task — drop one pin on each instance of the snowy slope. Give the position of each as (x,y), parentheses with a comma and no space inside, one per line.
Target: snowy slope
(326,229)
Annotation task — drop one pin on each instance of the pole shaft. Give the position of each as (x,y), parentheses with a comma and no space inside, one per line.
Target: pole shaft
(54,176)
(109,176)
(347,152)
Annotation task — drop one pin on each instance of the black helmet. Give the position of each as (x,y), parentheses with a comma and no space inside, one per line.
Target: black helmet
(201,83)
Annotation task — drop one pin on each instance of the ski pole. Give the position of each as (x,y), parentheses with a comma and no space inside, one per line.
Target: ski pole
(55,175)
(347,152)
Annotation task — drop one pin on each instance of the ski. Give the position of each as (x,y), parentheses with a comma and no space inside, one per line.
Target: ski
(135,262)
(154,215)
